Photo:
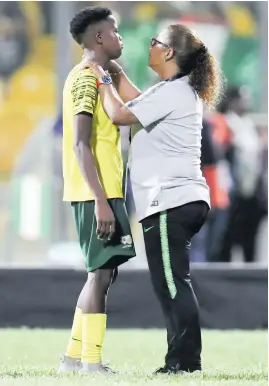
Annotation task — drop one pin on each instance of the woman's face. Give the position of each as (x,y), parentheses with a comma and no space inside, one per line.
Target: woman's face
(159,49)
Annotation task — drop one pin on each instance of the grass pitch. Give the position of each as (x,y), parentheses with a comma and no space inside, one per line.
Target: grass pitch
(30,357)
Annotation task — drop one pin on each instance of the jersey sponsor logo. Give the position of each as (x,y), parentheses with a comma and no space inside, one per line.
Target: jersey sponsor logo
(127,241)
(155,203)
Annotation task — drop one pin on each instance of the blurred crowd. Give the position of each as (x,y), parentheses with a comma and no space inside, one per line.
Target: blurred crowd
(14,44)
(234,163)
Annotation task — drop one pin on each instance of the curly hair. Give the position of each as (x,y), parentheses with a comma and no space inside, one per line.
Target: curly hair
(84,18)
(194,59)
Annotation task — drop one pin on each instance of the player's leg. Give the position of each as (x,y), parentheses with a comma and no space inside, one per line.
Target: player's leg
(75,340)
(102,260)
(72,355)
(71,360)
(83,214)
(91,299)
(94,319)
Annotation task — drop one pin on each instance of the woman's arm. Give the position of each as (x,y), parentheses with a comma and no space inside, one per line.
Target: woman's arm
(125,88)
(150,107)
(111,102)
(114,107)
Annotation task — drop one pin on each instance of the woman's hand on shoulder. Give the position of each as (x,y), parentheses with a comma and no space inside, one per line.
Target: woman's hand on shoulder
(94,66)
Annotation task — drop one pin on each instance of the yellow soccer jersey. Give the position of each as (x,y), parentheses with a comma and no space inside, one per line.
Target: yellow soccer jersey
(81,95)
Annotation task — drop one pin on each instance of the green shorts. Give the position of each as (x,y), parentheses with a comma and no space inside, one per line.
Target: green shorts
(99,253)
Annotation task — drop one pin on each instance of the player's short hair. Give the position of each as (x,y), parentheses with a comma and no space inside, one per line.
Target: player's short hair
(84,18)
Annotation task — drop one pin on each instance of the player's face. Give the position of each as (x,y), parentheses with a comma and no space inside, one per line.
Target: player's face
(111,39)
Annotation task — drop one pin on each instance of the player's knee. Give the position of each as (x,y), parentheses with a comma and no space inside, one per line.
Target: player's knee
(103,279)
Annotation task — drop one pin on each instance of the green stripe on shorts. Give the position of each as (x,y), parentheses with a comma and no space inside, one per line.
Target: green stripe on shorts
(166,255)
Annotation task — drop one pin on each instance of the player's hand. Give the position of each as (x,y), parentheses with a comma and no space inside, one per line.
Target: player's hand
(105,220)
(94,66)
(114,68)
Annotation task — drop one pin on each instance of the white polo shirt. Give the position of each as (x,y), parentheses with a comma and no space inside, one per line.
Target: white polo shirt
(165,155)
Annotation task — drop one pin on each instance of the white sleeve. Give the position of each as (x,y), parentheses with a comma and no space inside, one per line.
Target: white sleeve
(153,105)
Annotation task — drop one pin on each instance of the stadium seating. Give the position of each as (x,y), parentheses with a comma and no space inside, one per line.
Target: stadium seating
(33,85)
(15,126)
(43,53)
(31,98)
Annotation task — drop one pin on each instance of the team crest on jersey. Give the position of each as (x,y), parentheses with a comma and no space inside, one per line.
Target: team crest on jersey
(127,240)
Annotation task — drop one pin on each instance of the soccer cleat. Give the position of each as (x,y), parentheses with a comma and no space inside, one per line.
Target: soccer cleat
(69,365)
(90,368)
(168,369)
(192,370)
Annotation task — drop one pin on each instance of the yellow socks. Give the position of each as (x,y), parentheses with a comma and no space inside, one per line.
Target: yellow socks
(75,344)
(93,332)
(87,337)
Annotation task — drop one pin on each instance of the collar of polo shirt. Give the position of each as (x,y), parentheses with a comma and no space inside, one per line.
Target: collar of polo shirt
(177,76)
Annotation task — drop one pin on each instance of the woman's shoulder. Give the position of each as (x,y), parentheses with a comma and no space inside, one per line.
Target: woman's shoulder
(156,87)
(181,84)
(182,89)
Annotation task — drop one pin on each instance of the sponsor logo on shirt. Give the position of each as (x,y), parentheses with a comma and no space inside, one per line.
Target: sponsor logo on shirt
(148,229)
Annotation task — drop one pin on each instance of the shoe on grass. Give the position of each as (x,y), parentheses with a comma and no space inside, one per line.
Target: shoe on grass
(168,369)
(69,365)
(90,368)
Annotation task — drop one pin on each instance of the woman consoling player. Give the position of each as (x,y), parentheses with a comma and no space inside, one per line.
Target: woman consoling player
(171,195)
